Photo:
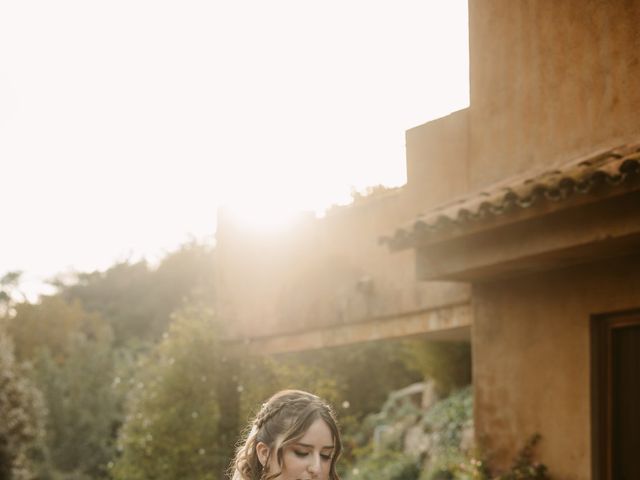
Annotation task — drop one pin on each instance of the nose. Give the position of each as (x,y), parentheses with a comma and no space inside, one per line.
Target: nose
(314,465)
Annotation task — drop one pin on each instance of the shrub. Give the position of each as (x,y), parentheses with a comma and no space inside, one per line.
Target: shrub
(173,424)
(448,418)
(472,467)
(446,363)
(385,465)
(21,413)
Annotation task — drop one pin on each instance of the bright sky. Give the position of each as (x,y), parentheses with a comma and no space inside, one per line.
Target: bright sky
(124,124)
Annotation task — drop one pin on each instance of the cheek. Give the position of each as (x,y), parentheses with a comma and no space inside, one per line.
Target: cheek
(291,462)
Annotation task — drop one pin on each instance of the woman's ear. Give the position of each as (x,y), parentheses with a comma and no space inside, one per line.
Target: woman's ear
(262,450)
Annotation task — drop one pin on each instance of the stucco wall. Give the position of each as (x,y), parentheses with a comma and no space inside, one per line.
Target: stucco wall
(531,359)
(322,272)
(550,81)
(438,161)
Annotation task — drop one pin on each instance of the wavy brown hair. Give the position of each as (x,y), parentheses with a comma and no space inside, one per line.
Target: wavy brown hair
(282,421)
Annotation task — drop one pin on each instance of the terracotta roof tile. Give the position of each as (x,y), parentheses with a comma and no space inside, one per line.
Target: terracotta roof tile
(579,177)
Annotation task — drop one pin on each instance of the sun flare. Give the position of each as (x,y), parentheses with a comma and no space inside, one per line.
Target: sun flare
(250,105)
(264,217)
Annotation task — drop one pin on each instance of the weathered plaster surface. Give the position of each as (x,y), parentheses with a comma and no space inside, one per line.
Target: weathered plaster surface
(437,161)
(549,81)
(531,359)
(451,323)
(321,274)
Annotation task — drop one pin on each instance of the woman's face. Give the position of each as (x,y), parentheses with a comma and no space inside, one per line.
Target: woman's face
(310,457)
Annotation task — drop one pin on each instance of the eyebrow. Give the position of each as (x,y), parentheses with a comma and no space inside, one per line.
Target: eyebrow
(326,447)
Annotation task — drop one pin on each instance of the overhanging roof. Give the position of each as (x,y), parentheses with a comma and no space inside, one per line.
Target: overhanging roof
(584,179)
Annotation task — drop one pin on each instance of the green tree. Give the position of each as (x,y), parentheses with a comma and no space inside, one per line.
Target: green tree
(51,324)
(71,352)
(84,408)
(21,414)
(358,377)
(9,291)
(173,424)
(447,363)
(138,300)
(259,377)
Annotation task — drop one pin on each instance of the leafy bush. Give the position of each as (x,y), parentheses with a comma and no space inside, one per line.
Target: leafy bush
(71,354)
(447,418)
(446,363)
(444,458)
(173,425)
(524,465)
(385,465)
(21,413)
(472,467)
(83,408)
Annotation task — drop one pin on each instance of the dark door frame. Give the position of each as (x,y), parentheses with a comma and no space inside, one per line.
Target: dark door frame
(602,326)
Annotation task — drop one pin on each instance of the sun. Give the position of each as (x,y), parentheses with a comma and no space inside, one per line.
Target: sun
(260,216)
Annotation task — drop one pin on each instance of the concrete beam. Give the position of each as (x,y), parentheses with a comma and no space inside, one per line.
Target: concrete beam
(451,323)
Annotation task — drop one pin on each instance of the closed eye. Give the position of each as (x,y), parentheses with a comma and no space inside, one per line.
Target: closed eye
(303,454)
